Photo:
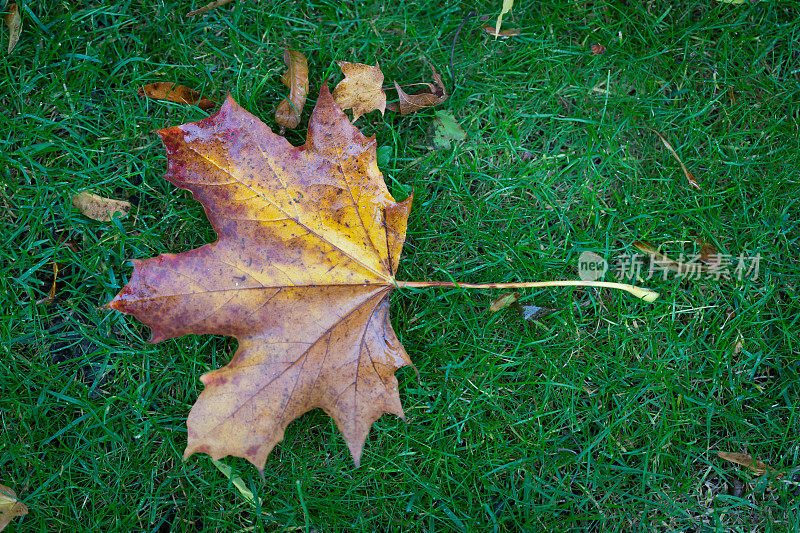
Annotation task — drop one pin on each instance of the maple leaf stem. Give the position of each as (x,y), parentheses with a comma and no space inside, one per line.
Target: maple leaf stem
(645,294)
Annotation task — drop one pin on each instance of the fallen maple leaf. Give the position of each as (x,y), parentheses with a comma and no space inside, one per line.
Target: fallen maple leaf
(433,94)
(309,240)
(10,506)
(179,94)
(361,89)
(296,79)
(309,243)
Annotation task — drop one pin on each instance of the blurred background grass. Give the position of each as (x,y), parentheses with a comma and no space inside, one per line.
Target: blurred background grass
(606,413)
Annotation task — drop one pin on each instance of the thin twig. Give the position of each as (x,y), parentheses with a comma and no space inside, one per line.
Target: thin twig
(453,49)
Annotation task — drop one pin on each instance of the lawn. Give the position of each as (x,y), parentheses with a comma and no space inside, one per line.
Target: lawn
(607,413)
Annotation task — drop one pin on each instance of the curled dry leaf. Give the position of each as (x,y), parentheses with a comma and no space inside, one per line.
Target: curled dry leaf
(99,208)
(433,94)
(759,468)
(505,34)
(10,506)
(296,79)
(309,240)
(361,89)
(14,24)
(689,176)
(503,301)
(208,7)
(179,94)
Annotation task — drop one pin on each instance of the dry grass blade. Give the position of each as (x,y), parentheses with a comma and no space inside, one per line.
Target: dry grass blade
(208,7)
(686,172)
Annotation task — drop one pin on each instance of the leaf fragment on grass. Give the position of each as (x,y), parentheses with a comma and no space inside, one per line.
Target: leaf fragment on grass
(10,506)
(433,94)
(172,92)
(597,49)
(507,6)
(686,172)
(444,129)
(505,34)
(739,344)
(361,89)
(759,468)
(534,312)
(503,301)
(99,208)
(296,79)
(14,23)
(208,7)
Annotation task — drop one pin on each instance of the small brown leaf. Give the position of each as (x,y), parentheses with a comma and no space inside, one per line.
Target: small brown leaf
(10,506)
(99,208)
(434,94)
(507,6)
(759,468)
(14,24)
(179,94)
(503,301)
(360,90)
(505,34)
(208,7)
(296,79)
(679,267)
(689,176)
(739,344)
(598,49)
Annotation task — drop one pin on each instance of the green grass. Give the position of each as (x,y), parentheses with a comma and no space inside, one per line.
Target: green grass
(606,414)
